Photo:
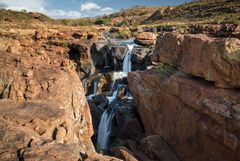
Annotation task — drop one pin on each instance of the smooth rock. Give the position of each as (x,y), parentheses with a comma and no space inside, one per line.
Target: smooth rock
(214,59)
(193,116)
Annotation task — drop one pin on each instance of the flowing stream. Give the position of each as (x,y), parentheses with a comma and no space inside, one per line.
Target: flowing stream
(105,126)
(95,88)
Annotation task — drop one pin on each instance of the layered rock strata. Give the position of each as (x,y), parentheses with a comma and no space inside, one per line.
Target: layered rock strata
(194,108)
(214,59)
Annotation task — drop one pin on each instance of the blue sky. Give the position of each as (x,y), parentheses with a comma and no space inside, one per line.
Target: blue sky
(82,8)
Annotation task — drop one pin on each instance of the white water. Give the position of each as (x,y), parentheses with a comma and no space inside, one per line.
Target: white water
(105,125)
(95,89)
(127,65)
(105,130)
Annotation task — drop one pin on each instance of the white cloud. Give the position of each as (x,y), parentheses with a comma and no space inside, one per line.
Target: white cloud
(62,14)
(89,6)
(87,9)
(30,5)
(107,9)
(39,6)
(92,9)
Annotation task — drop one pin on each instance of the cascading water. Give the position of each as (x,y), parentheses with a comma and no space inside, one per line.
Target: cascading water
(95,88)
(105,126)
(127,65)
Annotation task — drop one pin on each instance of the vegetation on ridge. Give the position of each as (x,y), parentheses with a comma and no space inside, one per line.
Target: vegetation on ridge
(203,11)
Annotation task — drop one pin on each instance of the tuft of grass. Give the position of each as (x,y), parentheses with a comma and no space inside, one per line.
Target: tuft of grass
(165,69)
(102,21)
(78,22)
(123,34)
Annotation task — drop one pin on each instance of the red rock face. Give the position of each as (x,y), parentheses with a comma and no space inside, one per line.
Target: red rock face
(47,104)
(198,120)
(214,59)
(145,38)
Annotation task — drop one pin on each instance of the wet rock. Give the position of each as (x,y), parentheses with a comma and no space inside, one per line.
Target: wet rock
(103,83)
(80,54)
(96,114)
(100,54)
(128,123)
(141,57)
(214,59)
(118,52)
(189,113)
(101,101)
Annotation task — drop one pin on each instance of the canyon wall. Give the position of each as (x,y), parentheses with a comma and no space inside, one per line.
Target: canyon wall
(44,114)
(195,107)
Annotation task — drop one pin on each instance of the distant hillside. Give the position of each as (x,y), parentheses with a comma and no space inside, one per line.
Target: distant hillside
(22,18)
(208,11)
(126,17)
(131,16)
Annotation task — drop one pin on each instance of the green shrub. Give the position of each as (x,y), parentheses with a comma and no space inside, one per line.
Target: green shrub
(65,22)
(102,21)
(165,69)
(123,34)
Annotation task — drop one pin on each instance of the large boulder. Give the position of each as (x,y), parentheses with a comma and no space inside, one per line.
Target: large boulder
(214,59)
(48,103)
(100,53)
(145,38)
(123,153)
(35,131)
(141,57)
(198,120)
(118,53)
(156,148)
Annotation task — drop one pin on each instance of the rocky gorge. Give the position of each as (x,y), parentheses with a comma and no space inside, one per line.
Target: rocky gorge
(194,105)
(78,93)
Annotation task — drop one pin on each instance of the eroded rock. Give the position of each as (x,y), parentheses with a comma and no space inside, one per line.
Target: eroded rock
(198,120)
(145,38)
(214,59)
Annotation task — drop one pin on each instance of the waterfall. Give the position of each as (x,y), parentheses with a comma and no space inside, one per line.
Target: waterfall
(105,129)
(95,89)
(127,65)
(105,126)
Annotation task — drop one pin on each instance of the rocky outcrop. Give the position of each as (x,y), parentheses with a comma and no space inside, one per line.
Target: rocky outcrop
(198,120)
(110,55)
(80,55)
(224,30)
(35,131)
(145,38)
(123,153)
(43,110)
(48,104)
(214,59)
(141,57)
